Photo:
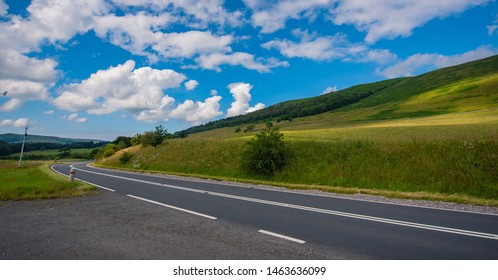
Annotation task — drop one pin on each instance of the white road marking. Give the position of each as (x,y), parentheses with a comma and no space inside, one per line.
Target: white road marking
(98,186)
(172,207)
(283,190)
(318,210)
(282,236)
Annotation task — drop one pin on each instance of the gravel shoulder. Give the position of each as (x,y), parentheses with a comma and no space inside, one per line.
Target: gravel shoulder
(112,226)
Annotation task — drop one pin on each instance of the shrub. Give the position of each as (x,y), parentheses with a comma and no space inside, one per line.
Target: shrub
(250,128)
(266,153)
(125,158)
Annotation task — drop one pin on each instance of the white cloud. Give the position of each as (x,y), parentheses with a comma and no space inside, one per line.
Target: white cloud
(241,92)
(328,90)
(49,112)
(213,92)
(19,67)
(492,29)
(21,91)
(313,47)
(11,105)
(191,43)
(394,18)
(419,63)
(134,33)
(198,112)
(213,62)
(72,117)
(3,8)
(191,84)
(138,91)
(273,17)
(52,21)
(22,122)
(194,13)
(119,88)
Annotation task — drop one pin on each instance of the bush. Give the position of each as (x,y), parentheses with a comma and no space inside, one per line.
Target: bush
(125,158)
(266,154)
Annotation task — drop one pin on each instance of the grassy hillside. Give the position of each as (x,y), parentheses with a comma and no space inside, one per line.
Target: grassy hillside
(434,136)
(15,138)
(466,87)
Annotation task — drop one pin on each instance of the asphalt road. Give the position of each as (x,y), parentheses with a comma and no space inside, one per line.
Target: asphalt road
(331,227)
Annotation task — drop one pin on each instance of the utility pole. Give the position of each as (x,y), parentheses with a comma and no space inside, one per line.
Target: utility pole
(22,147)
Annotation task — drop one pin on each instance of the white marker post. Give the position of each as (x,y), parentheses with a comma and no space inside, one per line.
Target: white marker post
(71,174)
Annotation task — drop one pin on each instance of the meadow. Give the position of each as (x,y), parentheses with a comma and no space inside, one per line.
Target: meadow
(35,180)
(434,157)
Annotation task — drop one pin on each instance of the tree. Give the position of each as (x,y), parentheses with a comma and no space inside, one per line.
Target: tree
(65,152)
(135,140)
(266,152)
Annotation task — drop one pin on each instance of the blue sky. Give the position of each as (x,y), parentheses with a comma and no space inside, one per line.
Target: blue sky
(103,68)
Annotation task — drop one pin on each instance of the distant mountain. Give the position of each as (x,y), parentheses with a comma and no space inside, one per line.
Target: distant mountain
(465,87)
(16,138)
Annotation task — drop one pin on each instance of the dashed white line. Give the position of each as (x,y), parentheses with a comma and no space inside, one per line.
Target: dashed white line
(172,207)
(282,236)
(317,210)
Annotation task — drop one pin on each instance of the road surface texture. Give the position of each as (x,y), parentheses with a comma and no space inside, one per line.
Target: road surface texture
(143,216)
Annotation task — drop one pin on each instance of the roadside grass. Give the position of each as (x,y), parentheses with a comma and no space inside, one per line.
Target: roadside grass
(54,152)
(459,167)
(35,180)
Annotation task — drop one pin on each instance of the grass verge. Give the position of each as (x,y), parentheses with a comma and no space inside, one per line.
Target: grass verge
(35,180)
(450,170)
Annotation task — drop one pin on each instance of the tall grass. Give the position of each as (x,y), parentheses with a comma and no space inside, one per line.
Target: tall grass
(449,167)
(435,166)
(36,181)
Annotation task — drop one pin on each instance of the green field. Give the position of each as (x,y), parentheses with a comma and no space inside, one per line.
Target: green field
(54,152)
(35,180)
(395,158)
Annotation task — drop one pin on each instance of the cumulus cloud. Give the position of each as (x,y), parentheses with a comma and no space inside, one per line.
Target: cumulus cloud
(419,63)
(311,46)
(272,16)
(48,21)
(215,60)
(241,92)
(390,19)
(119,88)
(195,13)
(17,66)
(3,8)
(53,21)
(191,84)
(23,90)
(137,91)
(198,112)
(22,122)
(74,117)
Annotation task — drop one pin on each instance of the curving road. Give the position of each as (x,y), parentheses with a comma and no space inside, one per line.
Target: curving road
(357,229)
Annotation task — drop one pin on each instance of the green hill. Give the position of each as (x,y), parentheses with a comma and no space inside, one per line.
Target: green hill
(462,88)
(16,138)
(433,136)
